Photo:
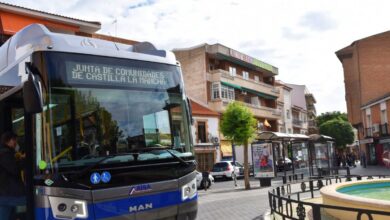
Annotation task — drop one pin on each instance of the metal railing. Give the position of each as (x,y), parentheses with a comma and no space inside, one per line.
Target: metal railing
(288,204)
(383,129)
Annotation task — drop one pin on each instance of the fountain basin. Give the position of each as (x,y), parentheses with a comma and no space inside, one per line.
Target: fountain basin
(364,194)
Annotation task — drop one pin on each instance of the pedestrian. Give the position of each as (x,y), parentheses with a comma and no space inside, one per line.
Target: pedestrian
(205,180)
(363,161)
(12,192)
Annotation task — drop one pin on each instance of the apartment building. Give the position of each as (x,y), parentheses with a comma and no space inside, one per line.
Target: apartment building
(284,105)
(215,75)
(299,108)
(366,75)
(14,18)
(311,112)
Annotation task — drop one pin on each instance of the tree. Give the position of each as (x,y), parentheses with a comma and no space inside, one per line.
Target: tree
(239,125)
(340,130)
(327,116)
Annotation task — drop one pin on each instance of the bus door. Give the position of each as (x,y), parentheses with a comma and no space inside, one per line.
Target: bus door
(13,118)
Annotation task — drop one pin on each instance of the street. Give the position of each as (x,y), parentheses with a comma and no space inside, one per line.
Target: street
(225,201)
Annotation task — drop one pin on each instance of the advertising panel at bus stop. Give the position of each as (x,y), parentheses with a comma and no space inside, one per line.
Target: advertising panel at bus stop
(263,160)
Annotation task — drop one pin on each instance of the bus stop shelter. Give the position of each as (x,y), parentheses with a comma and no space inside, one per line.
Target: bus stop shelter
(291,146)
(322,155)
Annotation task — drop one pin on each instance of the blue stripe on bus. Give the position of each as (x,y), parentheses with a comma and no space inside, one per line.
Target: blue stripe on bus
(122,207)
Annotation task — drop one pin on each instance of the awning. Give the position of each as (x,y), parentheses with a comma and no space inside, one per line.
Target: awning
(320,138)
(226,148)
(278,136)
(263,95)
(232,85)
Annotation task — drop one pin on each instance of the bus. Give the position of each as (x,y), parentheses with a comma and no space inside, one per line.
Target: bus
(105,127)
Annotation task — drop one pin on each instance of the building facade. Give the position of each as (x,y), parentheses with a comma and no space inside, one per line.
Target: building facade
(366,75)
(215,75)
(284,105)
(299,109)
(205,133)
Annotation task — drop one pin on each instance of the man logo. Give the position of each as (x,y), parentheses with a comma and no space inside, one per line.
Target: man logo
(142,207)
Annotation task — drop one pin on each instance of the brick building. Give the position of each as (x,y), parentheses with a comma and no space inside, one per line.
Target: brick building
(366,76)
(14,18)
(215,75)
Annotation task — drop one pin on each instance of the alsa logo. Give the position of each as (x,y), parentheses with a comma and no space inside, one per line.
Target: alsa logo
(142,207)
(140,189)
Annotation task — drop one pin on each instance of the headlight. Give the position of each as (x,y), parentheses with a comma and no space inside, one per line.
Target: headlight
(78,208)
(189,190)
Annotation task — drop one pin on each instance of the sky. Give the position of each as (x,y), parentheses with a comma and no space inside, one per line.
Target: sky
(299,37)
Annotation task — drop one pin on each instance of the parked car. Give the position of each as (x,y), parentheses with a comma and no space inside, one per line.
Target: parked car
(287,164)
(226,170)
(199,178)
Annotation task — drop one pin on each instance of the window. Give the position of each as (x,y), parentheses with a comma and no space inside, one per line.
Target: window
(215,91)
(227,93)
(245,75)
(257,79)
(232,71)
(383,116)
(201,132)
(288,114)
(383,112)
(289,131)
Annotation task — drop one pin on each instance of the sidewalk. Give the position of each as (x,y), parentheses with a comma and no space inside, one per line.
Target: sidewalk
(370,170)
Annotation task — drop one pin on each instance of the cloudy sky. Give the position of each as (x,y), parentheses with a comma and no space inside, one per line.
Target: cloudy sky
(299,37)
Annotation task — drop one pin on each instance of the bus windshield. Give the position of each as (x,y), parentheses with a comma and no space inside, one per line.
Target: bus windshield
(98,106)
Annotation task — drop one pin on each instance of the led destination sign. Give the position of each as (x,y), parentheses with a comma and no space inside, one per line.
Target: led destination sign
(88,73)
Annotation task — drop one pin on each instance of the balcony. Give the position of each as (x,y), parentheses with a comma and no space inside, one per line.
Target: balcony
(369,132)
(312,123)
(223,75)
(219,105)
(384,129)
(297,122)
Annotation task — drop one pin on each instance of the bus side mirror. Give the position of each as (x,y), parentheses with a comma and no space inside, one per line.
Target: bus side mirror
(190,111)
(32,91)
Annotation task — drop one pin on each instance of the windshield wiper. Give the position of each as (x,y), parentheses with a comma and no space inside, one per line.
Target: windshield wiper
(167,149)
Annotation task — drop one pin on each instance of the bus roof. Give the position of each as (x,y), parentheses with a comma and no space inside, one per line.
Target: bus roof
(37,37)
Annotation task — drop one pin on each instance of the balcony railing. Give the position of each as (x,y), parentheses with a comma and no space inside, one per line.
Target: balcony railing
(297,122)
(219,105)
(384,129)
(369,132)
(219,74)
(312,123)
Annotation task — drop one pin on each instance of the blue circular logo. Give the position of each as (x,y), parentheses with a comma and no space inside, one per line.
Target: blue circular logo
(95,178)
(106,177)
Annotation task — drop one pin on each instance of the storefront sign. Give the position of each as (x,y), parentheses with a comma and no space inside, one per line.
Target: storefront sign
(252,61)
(263,160)
(366,141)
(91,73)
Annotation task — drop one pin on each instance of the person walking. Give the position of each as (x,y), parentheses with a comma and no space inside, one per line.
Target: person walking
(205,180)
(12,191)
(363,161)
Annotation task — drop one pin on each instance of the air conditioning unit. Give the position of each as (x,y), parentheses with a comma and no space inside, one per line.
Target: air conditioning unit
(375,128)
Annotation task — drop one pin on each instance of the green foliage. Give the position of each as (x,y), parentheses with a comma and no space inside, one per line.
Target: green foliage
(327,116)
(340,130)
(238,123)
